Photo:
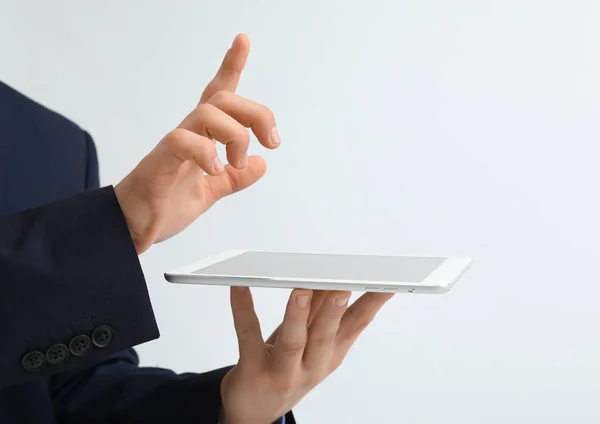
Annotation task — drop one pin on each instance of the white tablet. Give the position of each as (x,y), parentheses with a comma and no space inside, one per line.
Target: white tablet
(319,271)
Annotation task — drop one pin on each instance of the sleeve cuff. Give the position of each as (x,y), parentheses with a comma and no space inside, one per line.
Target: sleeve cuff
(69,276)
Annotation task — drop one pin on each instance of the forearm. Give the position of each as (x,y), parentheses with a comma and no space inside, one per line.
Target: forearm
(117,390)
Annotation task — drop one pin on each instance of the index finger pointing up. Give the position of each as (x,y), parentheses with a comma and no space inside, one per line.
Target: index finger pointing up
(228,75)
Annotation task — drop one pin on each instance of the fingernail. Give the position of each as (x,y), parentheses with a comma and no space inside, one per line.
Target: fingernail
(244,160)
(240,289)
(275,140)
(341,301)
(235,40)
(302,301)
(218,165)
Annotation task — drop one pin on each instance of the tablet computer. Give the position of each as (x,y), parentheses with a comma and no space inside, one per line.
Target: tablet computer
(325,271)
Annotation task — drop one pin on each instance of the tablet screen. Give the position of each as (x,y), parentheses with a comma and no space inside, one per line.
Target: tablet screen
(326,267)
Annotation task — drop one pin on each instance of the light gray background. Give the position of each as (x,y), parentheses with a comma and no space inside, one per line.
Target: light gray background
(466,127)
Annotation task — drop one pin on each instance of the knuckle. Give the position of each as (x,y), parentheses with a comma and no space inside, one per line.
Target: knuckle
(237,138)
(266,114)
(175,139)
(292,347)
(204,109)
(360,321)
(361,324)
(204,115)
(322,339)
(243,136)
(245,332)
(176,135)
(219,97)
(205,151)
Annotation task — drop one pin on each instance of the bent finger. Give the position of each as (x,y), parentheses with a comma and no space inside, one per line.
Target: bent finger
(234,180)
(213,123)
(250,114)
(181,145)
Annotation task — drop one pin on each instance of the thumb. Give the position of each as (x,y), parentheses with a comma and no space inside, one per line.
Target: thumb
(234,180)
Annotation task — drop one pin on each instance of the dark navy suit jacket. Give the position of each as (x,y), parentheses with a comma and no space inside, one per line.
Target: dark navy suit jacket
(73,299)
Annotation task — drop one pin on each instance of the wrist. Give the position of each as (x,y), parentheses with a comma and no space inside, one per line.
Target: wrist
(132,211)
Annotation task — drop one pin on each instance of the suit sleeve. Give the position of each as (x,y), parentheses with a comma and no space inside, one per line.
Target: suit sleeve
(71,287)
(116,389)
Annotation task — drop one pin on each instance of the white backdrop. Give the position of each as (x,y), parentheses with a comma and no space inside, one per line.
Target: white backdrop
(467,127)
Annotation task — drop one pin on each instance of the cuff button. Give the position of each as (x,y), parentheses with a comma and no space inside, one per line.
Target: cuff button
(33,361)
(80,345)
(57,354)
(102,336)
